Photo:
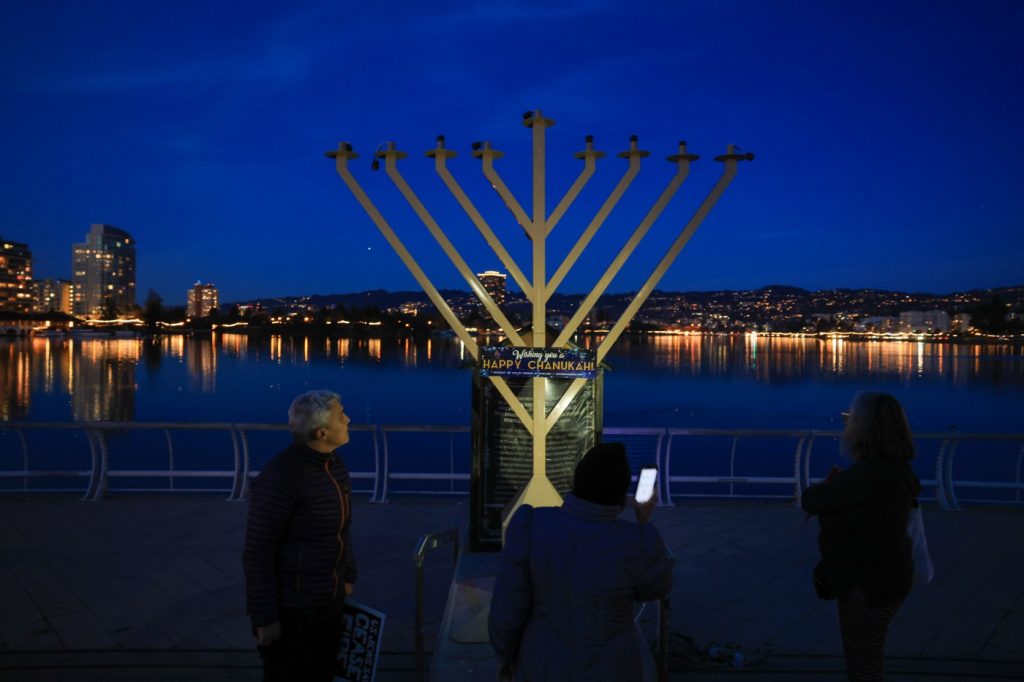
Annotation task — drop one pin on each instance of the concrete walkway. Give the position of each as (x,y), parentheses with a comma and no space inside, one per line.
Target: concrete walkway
(105,591)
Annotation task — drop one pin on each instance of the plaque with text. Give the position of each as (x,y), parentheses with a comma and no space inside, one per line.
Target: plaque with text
(503,448)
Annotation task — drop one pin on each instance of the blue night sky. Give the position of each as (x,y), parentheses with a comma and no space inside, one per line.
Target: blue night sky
(888,136)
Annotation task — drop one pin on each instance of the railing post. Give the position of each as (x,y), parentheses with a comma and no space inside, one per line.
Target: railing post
(384,473)
(732,466)
(24,459)
(663,470)
(1020,460)
(98,482)
(947,479)
(940,473)
(375,435)
(170,458)
(239,485)
(666,475)
(798,481)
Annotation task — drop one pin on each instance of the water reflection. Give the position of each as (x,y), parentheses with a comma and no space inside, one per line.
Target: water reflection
(234,345)
(100,376)
(104,379)
(772,359)
(15,376)
(202,364)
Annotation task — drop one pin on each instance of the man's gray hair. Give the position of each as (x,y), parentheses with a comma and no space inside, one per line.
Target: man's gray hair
(309,412)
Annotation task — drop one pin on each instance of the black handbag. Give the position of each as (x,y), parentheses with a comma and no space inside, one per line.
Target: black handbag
(821,585)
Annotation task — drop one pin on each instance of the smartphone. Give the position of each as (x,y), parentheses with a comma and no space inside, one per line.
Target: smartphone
(645,484)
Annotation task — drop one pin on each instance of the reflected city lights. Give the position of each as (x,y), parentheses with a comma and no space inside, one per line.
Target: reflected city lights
(235,345)
(202,365)
(175,345)
(99,374)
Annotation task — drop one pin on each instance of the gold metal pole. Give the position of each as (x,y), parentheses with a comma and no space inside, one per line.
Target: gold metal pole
(391,157)
(539,492)
(682,170)
(634,155)
(730,158)
(341,157)
(589,157)
(488,155)
(441,156)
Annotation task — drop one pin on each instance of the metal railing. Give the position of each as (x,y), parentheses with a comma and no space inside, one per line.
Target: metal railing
(428,542)
(803,442)
(451,476)
(679,452)
(100,472)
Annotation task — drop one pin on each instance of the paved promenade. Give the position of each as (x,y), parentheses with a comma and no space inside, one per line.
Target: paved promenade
(151,587)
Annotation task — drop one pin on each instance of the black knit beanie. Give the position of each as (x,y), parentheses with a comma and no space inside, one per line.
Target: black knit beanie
(602,475)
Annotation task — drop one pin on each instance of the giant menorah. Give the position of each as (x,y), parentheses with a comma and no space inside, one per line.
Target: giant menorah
(538,225)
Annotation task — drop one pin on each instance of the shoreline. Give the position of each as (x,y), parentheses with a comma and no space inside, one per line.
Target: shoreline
(377,332)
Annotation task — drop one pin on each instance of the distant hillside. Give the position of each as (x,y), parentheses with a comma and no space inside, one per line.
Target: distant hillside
(866,301)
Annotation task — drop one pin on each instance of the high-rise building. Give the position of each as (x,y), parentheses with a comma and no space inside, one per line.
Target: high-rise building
(15,277)
(53,294)
(494,284)
(103,270)
(202,300)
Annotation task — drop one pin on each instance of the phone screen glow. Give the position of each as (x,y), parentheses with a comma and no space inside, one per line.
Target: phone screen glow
(645,486)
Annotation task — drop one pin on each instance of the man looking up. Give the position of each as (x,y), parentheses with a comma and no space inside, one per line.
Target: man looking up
(298,557)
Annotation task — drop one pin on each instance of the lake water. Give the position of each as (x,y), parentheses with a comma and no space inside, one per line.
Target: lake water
(739,381)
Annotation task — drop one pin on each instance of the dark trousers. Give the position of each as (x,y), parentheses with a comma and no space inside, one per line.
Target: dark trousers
(307,650)
(863,629)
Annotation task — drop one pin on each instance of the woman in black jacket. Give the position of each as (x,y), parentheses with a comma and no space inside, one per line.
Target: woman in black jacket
(863,511)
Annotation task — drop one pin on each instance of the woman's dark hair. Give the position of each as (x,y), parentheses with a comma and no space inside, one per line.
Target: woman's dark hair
(602,475)
(877,429)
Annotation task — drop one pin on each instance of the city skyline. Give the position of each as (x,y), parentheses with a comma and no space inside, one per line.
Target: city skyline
(886,138)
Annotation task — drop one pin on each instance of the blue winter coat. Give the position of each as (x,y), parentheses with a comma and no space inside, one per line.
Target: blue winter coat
(565,593)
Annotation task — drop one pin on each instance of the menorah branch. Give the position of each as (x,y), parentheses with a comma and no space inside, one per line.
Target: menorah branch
(342,157)
(682,170)
(691,227)
(589,166)
(440,165)
(391,166)
(514,402)
(506,195)
(596,223)
(556,412)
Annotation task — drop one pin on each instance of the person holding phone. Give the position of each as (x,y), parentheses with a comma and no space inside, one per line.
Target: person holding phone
(564,596)
(866,554)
